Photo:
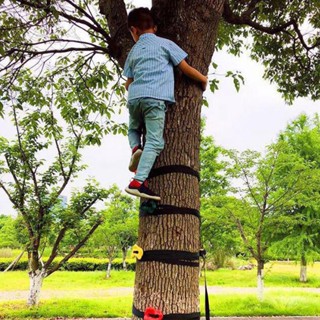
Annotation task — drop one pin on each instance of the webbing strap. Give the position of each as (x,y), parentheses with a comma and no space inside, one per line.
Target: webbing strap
(168,209)
(206,295)
(173,168)
(172,316)
(181,258)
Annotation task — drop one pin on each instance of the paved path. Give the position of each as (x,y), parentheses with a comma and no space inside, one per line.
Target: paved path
(126,291)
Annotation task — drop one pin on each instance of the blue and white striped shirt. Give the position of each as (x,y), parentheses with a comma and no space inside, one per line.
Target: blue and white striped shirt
(150,63)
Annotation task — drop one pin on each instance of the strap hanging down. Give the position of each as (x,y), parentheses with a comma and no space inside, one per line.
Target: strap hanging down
(147,208)
(182,258)
(172,316)
(203,254)
(173,168)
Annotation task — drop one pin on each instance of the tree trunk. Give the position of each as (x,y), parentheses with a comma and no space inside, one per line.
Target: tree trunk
(166,287)
(260,277)
(124,257)
(303,269)
(36,280)
(108,275)
(193,25)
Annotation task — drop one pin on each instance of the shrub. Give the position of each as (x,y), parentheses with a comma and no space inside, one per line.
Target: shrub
(74,264)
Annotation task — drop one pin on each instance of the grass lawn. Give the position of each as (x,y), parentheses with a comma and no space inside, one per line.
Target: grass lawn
(277,274)
(276,303)
(278,300)
(280,274)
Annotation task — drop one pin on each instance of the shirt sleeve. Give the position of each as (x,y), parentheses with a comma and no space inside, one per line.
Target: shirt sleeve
(127,70)
(176,53)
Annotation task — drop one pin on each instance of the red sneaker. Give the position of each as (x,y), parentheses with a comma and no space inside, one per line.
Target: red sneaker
(135,158)
(139,189)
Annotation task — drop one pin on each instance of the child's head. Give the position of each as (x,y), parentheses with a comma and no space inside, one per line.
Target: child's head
(140,21)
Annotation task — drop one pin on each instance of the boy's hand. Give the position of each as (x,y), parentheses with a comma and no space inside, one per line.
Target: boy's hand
(193,74)
(204,84)
(128,82)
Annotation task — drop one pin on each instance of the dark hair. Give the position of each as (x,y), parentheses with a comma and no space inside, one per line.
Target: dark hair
(141,18)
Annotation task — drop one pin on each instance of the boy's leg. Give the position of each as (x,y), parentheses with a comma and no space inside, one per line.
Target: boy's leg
(135,123)
(154,118)
(134,133)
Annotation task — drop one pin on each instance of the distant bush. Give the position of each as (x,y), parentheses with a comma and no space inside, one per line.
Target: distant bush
(74,264)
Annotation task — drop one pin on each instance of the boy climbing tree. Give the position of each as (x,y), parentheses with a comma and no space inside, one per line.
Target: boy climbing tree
(150,84)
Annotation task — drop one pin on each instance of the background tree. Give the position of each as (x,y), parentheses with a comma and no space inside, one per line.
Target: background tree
(119,229)
(303,240)
(34,184)
(265,187)
(275,38)
(219,235)
(8,233)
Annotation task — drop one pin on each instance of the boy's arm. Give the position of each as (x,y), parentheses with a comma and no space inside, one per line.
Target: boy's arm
(193,73)
(128,82)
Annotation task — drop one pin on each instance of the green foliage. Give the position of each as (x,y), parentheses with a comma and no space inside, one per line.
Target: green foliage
(46,122)
(298,236)
(290,54)
(8,233)
(119,230)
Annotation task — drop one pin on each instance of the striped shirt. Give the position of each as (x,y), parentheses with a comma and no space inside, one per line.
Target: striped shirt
(150,63)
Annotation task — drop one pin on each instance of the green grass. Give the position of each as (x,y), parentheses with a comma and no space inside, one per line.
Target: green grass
(278,300)
(68,280)
(280,274)
(275,303)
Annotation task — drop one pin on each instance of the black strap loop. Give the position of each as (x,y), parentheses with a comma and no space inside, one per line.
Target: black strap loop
(182,258)
(172,316)
(173,168)
(146,210)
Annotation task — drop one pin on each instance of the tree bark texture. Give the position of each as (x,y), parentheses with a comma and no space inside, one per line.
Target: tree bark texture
(36,280)
(303,269)
(171,288)
(260,282)
(124,257)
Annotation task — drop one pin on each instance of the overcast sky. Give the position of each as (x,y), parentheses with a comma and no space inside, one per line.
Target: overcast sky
(250,119)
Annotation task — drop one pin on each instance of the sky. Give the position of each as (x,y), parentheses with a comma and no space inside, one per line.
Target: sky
(250,119)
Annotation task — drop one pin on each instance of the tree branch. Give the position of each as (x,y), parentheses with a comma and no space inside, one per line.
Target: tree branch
(121,41)
(55,247)
(245,19)
(76,248)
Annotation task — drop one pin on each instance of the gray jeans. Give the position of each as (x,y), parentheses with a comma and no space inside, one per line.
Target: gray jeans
(150,113)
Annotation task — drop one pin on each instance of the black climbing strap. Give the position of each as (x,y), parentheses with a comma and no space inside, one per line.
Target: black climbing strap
(181,258)
(172,169)
(207,302)
(172,316)
(151,208)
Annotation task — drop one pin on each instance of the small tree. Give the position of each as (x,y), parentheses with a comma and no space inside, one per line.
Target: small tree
(303,240)
(265,187)
(219,235)
(119,230)
(34,184)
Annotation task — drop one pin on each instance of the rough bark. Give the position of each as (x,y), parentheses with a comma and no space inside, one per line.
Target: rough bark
(303,269)
(36,279)
(124,257)
(108,275)
(260,282)
(170,288)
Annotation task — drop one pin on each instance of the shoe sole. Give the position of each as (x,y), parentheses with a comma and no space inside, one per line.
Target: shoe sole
(137,193)
(133,165)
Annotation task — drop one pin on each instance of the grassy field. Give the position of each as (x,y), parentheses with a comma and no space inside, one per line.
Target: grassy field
(278,299)
(280,274)
(275,303)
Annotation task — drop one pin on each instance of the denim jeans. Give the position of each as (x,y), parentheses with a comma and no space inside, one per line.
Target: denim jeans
(150,113)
